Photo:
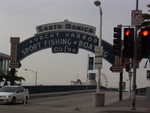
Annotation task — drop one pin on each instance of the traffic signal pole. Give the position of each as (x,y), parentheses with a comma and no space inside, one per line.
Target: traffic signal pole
(130,78)
(120,86)
(135,64)
(121,73)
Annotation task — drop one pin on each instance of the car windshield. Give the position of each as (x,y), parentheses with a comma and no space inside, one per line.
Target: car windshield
(8,89)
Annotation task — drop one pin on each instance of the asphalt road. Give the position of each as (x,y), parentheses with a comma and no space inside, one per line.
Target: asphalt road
(60,104)
(75,103)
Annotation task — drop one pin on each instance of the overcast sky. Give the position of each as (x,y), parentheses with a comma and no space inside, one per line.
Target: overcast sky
(18,18)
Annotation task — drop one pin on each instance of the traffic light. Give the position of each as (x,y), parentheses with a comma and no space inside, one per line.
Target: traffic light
(128,42)
(117,43)
(144,36)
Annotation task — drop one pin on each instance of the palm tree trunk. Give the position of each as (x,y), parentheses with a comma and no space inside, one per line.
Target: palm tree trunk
(13,72)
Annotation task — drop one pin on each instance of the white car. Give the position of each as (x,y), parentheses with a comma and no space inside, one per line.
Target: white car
(14,94)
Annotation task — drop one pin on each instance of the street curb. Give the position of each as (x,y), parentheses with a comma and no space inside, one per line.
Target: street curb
(42,95)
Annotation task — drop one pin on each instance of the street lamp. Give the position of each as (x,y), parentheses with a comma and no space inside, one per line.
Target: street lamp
(98,4)
(33,72)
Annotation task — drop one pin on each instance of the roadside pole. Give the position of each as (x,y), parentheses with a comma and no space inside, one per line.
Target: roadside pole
(121,73)
(134,71)
(120,86)
(130,78)
(99,96)
(135,56)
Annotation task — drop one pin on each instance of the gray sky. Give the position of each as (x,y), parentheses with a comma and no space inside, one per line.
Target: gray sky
(20,17)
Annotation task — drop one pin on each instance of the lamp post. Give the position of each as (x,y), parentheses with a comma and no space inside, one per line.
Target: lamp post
(98,4)
(33,72)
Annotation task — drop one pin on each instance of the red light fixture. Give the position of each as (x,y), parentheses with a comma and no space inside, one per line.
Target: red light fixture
(145,33)
(127,33)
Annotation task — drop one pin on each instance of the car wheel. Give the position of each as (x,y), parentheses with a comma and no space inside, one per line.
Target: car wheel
(13,100)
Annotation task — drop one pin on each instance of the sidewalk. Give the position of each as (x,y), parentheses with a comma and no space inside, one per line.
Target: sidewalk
(83,103)
(125,106)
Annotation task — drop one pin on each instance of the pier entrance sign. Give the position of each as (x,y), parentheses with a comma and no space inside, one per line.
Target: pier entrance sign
(61,37)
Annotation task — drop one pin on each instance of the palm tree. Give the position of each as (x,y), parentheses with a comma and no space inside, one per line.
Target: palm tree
(148,5)
(2,76)
(12,77)
(146,18)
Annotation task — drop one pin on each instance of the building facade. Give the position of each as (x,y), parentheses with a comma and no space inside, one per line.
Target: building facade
(4,62)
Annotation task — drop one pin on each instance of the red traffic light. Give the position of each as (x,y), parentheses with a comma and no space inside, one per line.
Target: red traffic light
(128,42)
(145,33)
(127,33)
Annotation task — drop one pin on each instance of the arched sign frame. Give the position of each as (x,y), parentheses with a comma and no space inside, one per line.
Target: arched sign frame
(65,37)
(63,41)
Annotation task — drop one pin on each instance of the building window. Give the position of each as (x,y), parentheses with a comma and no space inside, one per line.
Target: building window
(78,28)
(45,28)
(55,27)
(40,29)
(91,31)
(68,26)
(148,74)
(59,26)
(73,27)
(50,27)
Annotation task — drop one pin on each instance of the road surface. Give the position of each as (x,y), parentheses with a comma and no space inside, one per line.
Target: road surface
(76,103)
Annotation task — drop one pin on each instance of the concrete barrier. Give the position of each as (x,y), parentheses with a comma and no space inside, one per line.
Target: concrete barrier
(148,94)
(99,99)
(111,97)
(108,98)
